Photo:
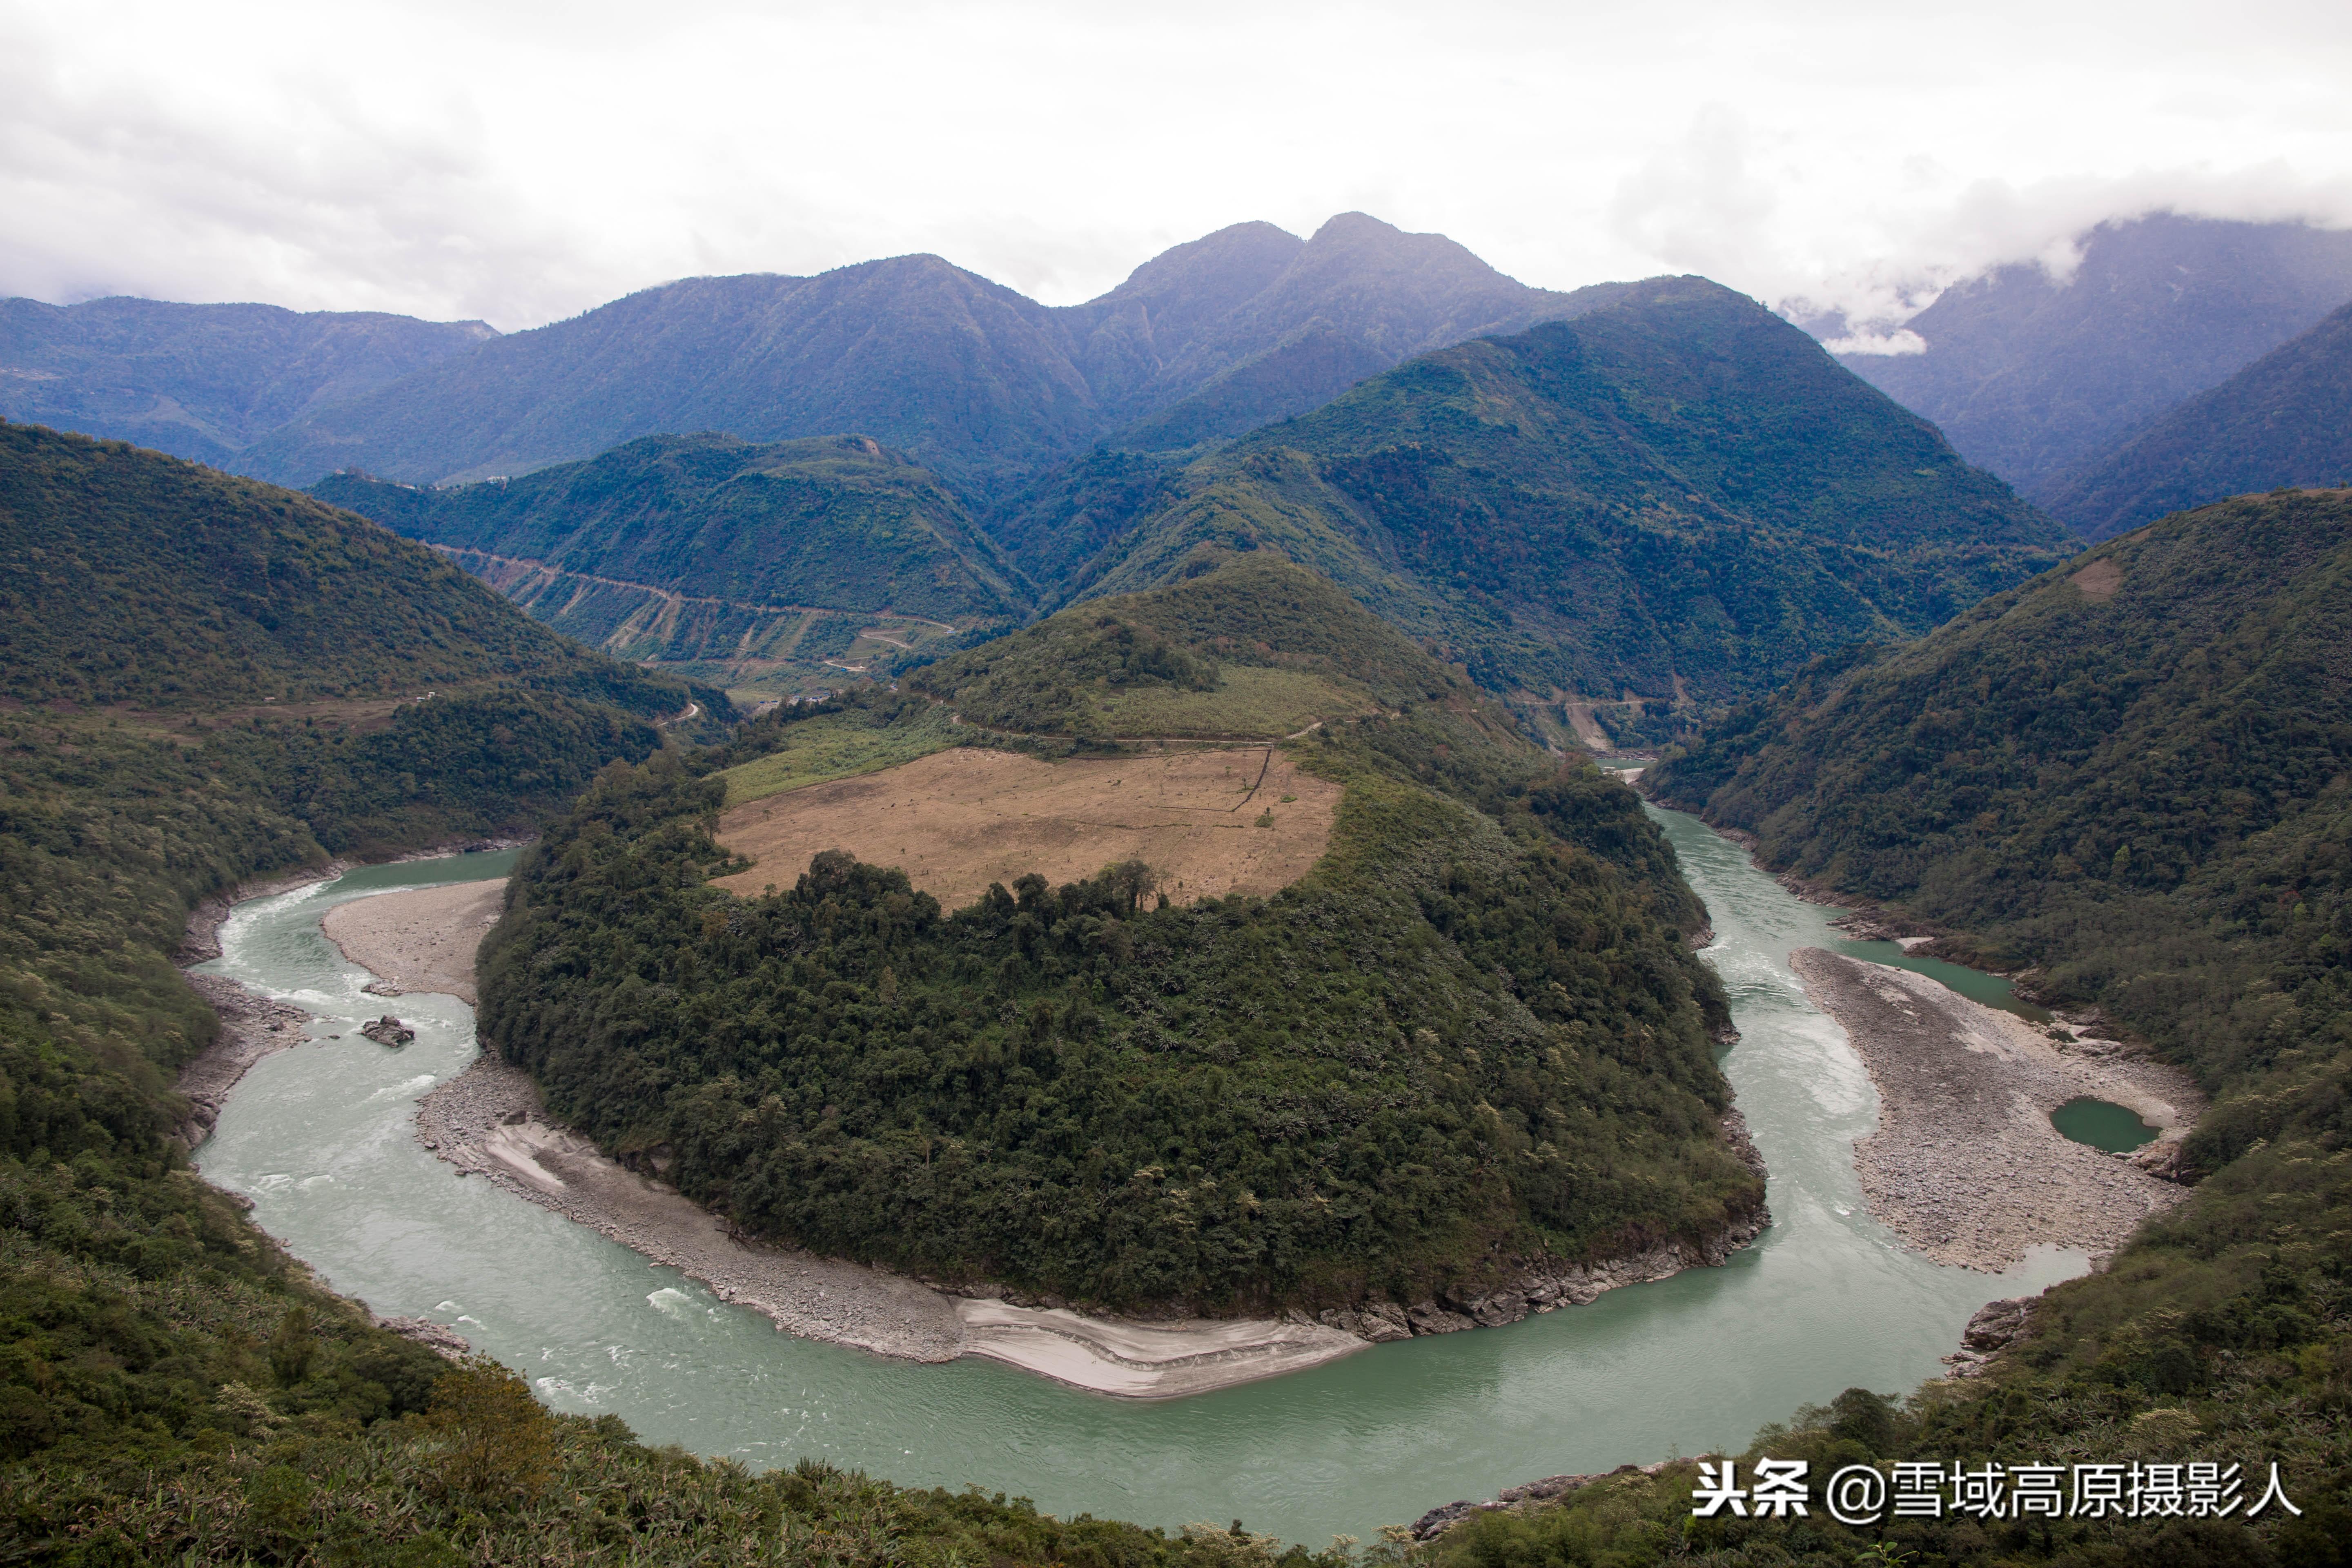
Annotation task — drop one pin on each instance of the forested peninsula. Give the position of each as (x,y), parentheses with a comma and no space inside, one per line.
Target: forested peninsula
(1467,1053)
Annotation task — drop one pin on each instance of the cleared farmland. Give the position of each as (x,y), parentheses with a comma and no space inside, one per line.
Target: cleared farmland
(1209,823)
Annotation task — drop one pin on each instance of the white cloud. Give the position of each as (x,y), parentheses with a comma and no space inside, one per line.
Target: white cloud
(524,160)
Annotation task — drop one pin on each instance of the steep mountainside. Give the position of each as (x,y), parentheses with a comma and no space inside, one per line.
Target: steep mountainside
(1677,496)
(2029,378)
(136,578)
(2135,775)
(2286,419)
(762,558)
(202,381)
(983,385)
(1467,1050)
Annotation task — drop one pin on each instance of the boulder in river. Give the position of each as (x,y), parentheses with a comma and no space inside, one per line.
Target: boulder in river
(388,1031)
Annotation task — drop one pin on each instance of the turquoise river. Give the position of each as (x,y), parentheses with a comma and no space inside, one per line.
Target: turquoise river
(320,1137)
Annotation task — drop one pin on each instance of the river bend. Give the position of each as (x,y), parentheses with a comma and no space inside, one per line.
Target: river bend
(320,1137)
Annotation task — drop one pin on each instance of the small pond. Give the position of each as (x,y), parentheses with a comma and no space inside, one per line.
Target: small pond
(2103,1124)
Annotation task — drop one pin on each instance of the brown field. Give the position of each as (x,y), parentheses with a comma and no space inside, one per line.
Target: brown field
(958,820)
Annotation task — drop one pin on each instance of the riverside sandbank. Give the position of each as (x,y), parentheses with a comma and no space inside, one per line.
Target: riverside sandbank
(1965,1164)
(423,939)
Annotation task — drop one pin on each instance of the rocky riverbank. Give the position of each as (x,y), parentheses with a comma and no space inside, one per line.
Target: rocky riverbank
(1965,1164)
(251,1028)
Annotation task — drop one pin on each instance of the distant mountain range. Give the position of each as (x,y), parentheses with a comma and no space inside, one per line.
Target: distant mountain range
(1677,498)
(978,382)
(2032,377)
(1674,499)
(2286,419)
(202,382)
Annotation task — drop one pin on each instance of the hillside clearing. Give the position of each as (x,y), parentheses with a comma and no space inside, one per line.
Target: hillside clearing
(958,820)
(818,750)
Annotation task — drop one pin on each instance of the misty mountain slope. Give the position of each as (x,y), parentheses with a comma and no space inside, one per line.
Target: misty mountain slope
(202,381)
(1357,298)
(703,551)
(2285,420)
(1679,497)
(983,386)
(2029,377)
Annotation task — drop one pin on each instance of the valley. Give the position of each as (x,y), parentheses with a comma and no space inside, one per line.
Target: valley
(1048,873)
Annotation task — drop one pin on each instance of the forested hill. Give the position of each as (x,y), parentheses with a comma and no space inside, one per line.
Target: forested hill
(1677,495)
(2112,731)
(202,381)
(1244,646)
(2286,419)
(2135,775)
(786,564)
(1468,1049)
(134,578)
(975,380)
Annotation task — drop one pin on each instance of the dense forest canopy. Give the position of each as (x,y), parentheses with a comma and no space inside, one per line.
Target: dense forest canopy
(132,578)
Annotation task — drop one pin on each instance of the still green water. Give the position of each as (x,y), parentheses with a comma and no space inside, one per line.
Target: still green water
(320,1137)
(2103,1124)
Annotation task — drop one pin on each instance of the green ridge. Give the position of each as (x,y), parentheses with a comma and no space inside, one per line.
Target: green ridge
(1676,498)
(785,554)
(1251,647)
(2285,420)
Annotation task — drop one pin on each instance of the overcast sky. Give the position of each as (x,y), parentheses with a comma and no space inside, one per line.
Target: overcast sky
(524,161)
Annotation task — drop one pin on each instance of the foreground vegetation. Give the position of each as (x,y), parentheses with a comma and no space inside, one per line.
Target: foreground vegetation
(1470,1042)
(2130,776)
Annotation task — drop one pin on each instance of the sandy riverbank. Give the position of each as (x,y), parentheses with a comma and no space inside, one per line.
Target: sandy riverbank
(1965,1164)
(487,1122)
(420,940)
